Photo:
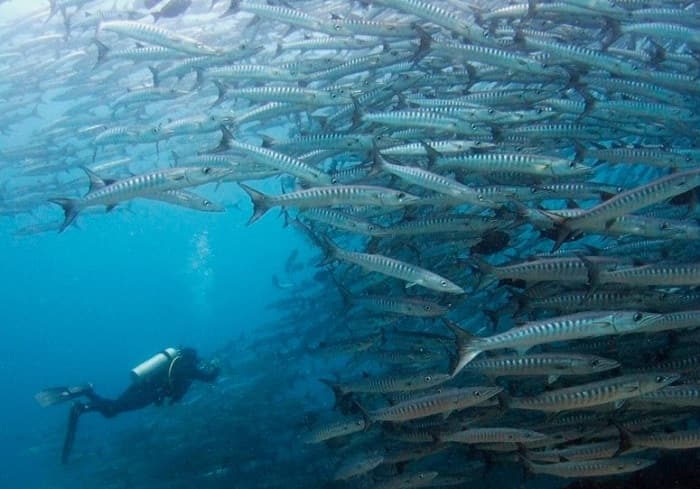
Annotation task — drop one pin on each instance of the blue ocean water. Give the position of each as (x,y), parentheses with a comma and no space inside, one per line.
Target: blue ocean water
(90,303)
(89,306)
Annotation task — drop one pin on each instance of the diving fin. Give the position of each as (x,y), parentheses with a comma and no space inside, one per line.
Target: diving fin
(56,395)
(75,412)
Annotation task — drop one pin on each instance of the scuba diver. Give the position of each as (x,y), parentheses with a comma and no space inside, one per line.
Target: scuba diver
(167,374)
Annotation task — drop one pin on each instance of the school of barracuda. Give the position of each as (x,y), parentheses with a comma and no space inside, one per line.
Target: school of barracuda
(504,195)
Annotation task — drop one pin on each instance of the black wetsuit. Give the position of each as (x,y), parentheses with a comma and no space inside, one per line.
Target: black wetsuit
(172,383)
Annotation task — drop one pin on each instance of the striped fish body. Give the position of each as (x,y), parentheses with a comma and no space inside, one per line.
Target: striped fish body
(549,364)
(677,440)
(636,198)
(155,35)
(655,275)
(593,394)
(591,468)
(687,395)
(383,385)
(447,401)
(492,435)
(333,430)
(391,267)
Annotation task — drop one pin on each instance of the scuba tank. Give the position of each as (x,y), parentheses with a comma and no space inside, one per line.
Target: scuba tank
(159,365)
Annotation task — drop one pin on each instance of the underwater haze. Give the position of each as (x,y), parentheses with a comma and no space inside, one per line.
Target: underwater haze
(425,243)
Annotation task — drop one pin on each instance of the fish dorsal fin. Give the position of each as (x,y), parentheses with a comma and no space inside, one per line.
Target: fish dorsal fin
(96,182)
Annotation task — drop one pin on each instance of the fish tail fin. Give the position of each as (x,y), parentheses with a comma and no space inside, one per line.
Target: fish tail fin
(337,391)
(625,440)
(365,414)
(432,153)
(220,87)
(424,46)
(53,8)
(504,402)
(356,113)
(233,7)
(224,142)
(66,21)
(345,294)
(70,211)
(102,51)
(330,250)
(155,74)
(593,271)
(259,201)
(485,271)
(611,32)
(524,457)
(466,348)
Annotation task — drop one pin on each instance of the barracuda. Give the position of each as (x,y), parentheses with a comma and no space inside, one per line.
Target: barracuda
(158,36)
(447,401)
(282,162)
(334,430)
(112,193)
(412,274)
(513,162)
(384,385)
(329,196)
(295,95)
(433,181)
(590,324)
(614,390)
(592,468)
(551,365)
(492,435)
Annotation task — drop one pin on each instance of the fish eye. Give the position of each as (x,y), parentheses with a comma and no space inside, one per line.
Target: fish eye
(595,363)
(334,180)
(333,95)
(637,317)
(477,394)
(359,422)
(490,111)
(572,164)
(664,225)
(370,227)
(443,283)
(659,379)
(421,476)
(336,27)
(428,308)
(401,195)
(428,378)
(206,170)
(206,203)
(155,130)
